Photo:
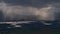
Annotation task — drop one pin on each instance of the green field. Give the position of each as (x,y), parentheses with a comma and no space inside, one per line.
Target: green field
(30,31)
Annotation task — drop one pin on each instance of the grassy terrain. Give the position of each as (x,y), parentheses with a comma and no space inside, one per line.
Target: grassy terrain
(30,31)
(34,28)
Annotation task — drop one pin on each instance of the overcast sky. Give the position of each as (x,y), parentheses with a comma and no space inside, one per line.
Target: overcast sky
(29,5)
(34,3)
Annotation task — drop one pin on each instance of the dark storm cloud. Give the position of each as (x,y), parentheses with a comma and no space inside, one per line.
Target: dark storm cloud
(33,3)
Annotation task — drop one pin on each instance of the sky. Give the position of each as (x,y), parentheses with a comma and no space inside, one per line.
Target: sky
(28,6)
(34,3)
(39,7)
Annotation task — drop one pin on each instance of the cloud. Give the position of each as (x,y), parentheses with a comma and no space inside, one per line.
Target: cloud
(15,11)
(34,3)
(21,12)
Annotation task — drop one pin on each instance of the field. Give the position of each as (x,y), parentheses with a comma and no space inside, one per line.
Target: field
(32,28)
